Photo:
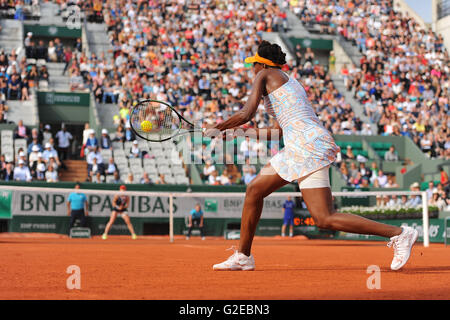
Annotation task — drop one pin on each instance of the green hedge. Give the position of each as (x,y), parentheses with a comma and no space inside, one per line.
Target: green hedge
(379,213)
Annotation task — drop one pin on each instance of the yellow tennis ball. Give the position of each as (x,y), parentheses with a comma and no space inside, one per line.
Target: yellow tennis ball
(146,126)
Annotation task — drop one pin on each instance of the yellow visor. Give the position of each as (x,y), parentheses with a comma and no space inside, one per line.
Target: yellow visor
(257,58)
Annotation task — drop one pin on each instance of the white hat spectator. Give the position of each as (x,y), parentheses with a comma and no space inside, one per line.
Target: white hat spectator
(48,145)
(35,148)
(21,154)
(104,131)
(39,155)
(47,126)
(21,161)
(135,142)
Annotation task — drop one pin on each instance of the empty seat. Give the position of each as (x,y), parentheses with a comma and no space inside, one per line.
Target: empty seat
(20,143)
(155,146)
(164,170)
(7,134)
(181,180)
(117,145)
(109,179)
(149,161)
(135,162)
(119,153)
(136,169)
(169,179)
(106,153)
(178,171)
(127,145)
(151,170)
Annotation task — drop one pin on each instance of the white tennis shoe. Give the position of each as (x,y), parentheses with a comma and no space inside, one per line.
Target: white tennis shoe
(402,244)
(237,261)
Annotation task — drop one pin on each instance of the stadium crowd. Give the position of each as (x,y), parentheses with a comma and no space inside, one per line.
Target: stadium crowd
(41,157)
(403,75)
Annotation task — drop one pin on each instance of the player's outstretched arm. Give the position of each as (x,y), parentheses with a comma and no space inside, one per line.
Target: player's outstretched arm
(248,111)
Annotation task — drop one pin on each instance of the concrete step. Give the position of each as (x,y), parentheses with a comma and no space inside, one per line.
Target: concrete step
(55,66)
(76,171)
(23,110)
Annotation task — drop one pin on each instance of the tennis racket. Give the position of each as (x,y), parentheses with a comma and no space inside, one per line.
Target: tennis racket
(158,121)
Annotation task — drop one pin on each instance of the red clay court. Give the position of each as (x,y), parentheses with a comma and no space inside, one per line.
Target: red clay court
(34,267)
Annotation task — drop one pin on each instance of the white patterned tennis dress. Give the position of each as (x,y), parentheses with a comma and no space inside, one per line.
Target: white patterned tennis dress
(308,146)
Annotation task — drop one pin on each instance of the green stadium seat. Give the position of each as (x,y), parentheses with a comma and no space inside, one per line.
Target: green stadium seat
(381,153)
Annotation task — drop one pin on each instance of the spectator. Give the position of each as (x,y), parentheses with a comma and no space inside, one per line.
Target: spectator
(414,201)
(95,162)
(225,178)
(246,147)
(381,180)
(391,182)
(437,201)
(21,131)
(51,175)
(76,81)
(117,179)
(349,155)
(129,134)
(130,179)
(46,134)
(51,52)
(394,201)
(91,142)
(49,152)
(39,171)
(7,174)
(249,176)
(430,189)
(43,74)
(111,167)
(391,155)
(207,170)
(161,179)
(34,146)
(22,172)
(14,87)
(135,151)
(146,179)
(213,178)
(35,137)
(105,140)
(64,137)
(33,154)
(86,133)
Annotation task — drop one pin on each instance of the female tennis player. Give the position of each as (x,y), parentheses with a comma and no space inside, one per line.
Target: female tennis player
(120,205)
(309,151)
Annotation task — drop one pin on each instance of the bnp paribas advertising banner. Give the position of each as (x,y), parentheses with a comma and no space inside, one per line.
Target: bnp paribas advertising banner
(43,203)
(5,204)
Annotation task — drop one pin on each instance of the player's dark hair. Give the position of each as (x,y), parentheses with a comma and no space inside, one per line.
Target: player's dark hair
(271,51)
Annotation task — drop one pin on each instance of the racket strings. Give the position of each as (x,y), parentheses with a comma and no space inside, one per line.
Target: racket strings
(162,119)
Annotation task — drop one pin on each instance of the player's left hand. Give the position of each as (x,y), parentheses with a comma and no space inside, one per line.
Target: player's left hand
(211,131)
